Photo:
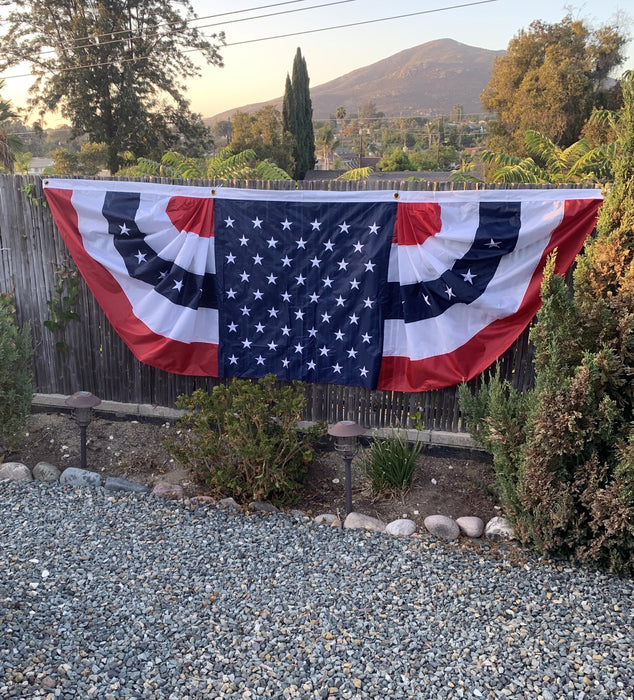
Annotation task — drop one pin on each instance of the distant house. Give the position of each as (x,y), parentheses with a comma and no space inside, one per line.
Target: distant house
(38,164)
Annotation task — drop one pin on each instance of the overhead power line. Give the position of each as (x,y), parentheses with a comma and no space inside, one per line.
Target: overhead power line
(277,36)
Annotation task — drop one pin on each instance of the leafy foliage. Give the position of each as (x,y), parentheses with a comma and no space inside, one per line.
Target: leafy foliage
(63,302)
(389,463)
(16,376)
(244,441)
(549,80)
(114,69)
(564,453)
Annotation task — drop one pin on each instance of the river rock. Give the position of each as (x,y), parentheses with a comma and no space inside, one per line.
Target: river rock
(403,527)
(45,471)
(118,483)
(262,507)
(325,518)
(470,526)
(358,521)
(442,526)
(228,503)
(499,530)
(15,471)
(74,476)
(166,490)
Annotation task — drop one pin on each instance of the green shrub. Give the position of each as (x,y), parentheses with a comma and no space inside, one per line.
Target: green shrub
(389,463)
(244,441)
(16,375)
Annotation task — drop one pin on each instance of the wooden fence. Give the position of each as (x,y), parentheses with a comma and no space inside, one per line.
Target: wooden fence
(34,259)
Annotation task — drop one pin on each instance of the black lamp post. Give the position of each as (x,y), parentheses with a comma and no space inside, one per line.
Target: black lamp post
(346,434)
(82,403)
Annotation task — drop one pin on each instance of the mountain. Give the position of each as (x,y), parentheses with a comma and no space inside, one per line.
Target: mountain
(425,80)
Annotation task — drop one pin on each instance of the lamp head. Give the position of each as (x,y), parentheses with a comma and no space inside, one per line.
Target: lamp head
(82,403)
(346,434)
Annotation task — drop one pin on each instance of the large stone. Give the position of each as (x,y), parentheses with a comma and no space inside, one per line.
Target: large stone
(74,476)
(166,490)
(403,527)
(263,507)
(499,530)
(45,471)
(358,521)
(442,526)
(118,483)
(325,518)
(470,526)
(15,471)
(228,503)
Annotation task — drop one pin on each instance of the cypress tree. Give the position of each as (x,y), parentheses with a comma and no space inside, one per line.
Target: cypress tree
(297,117)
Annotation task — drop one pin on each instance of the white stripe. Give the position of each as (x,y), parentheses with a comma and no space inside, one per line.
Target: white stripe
(445,333)
(158,313)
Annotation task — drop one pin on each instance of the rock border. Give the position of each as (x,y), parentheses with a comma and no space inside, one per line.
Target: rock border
(498,529)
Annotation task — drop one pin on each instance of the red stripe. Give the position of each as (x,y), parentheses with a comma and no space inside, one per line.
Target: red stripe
(197,359)
(472,358)
(416,222)
(192,214)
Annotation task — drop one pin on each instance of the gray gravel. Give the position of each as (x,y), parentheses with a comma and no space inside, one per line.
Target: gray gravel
(136,597)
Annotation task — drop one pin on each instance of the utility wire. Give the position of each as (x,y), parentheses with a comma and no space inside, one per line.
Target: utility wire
(278,36)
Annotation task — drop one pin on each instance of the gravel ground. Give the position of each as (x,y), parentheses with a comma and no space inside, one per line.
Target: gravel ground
(135,597)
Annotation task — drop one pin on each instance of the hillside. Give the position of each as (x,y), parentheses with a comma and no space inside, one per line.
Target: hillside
(427,79)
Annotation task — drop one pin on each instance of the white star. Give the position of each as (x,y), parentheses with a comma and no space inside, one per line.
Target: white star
(449,292)
(339,335)
(286,224)
(369,266)
(163,275)
(233,360)
(272,242)
(358,247)
(344,227)
(178,285)
(272,346)
(363,372)
(229,222)
(352,352)
(374,228)
(367,303)
(259,328)
(327,282)
(366,338)
(323,350)
(286,330)
(286,261)
(468,277)
(300,280)
(340,300)
(257,259)
(299,315)
(140,257)
(232,327)
(314,297)
(354,284)
(343,265)
(246,343)
(286,296)
(271,278)
(259,359)
(354,319)
(124,230)
(243,240)
(244,276)
(301,243)
(231,258)
(285,362)
(315,224)
(312,333)
(258,294)
(273,312)
(315,261)
(257,222)
(329,245)
(325,317)
(231,294)
(337,368)
(299,347)
(426,298)
(245,311)
(493,244)
(311,365)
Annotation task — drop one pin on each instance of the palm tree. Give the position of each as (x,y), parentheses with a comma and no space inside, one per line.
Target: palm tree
(8,143)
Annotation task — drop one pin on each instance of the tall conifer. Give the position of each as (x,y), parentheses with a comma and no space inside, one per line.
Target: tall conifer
(297,117)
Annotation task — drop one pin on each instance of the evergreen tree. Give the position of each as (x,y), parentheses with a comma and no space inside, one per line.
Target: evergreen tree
(297,117)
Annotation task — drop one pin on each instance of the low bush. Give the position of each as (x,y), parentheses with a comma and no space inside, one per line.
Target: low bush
(389,463)
(243,439)
(16,375)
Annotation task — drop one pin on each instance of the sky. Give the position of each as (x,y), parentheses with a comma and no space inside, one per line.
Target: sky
(255,71)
